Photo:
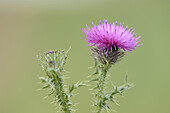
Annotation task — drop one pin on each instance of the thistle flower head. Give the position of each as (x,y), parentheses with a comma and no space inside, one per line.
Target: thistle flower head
(111,36)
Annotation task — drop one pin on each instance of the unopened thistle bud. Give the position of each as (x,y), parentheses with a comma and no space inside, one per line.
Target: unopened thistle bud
(53,63)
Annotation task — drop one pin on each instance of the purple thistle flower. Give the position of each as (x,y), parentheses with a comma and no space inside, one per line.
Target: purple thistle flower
(111,36)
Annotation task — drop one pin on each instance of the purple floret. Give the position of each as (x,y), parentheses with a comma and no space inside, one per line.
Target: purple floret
(111,36)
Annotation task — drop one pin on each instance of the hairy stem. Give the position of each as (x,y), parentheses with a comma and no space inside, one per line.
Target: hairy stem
(61,95)
(100,94)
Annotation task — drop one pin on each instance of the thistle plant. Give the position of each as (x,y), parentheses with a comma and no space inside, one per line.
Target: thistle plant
(53,63)
(109,44)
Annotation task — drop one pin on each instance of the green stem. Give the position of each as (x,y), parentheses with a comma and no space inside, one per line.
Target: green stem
(100,85)
(60,93)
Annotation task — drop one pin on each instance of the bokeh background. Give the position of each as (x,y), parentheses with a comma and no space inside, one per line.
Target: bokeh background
(30,27)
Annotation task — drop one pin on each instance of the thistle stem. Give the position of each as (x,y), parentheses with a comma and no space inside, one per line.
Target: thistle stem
(100,94)
(60,93)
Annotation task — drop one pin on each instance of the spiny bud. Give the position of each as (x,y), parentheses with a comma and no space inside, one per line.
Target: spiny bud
(53,59)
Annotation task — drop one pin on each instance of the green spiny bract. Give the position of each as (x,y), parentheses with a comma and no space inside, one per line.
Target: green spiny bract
(105,57)
(53,63)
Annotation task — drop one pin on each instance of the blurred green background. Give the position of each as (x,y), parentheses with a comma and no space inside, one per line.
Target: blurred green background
(30,27)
